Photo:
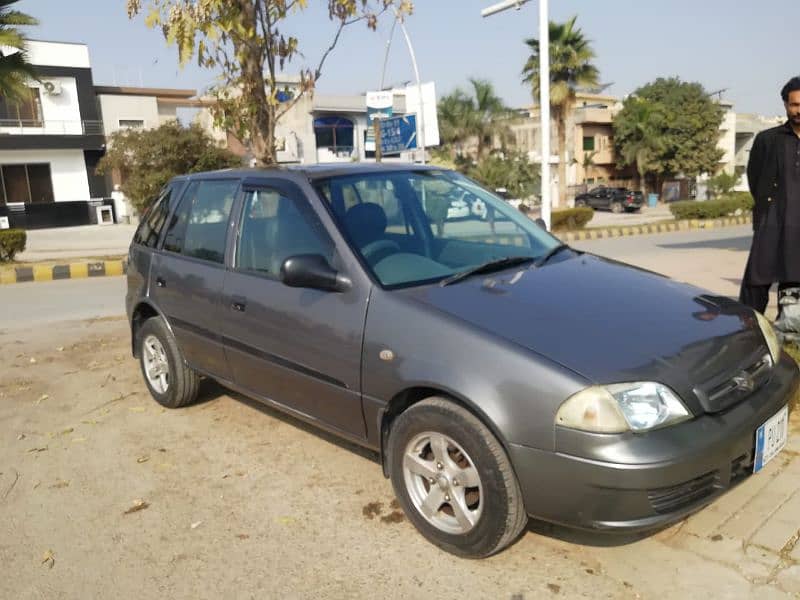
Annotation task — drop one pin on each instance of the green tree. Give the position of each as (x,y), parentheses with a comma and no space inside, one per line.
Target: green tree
(147,159)
(722,184)
(478,116)
(510,170)
(571,67)
(15,70)
(670,127)
(637,137)
(247,41)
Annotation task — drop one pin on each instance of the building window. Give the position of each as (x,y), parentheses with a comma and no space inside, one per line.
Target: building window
(131,123)
(334,133)
(26,183)
(22,113)
(588,143)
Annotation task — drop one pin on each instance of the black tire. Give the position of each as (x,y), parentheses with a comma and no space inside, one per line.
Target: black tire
(183,382)
(579,203)
(616,207)
(502,516)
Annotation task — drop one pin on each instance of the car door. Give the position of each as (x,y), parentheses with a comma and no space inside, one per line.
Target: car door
(298,347)
(188,273)
(595,197)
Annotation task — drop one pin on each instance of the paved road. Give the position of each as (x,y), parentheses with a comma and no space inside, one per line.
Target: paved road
(37,303)
(712,259)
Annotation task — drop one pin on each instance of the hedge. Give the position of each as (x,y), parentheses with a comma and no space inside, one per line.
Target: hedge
(11,242)
(713,209)
(571,218)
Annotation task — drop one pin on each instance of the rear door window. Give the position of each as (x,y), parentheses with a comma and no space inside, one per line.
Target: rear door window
(199,226)
(153,220)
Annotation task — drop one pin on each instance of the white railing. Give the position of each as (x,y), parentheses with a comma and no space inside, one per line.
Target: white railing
(49,127)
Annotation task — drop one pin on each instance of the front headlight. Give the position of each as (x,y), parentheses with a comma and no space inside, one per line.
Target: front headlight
(769,336)
(637,407)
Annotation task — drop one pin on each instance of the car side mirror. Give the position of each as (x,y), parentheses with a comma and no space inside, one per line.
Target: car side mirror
(312,271)
(540,222)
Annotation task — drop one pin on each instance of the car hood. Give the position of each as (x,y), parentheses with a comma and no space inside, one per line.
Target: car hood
(610,322)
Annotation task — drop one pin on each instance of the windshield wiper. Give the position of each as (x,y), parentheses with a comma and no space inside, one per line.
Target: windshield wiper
(550,254)
(488,267)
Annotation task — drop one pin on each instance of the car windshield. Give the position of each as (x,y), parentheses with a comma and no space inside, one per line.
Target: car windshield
(413,227)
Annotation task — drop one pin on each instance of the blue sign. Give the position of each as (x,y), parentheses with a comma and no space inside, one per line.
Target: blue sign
(398,134)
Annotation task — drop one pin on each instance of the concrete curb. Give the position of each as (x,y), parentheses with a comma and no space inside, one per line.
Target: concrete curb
(70,270)
(685,225)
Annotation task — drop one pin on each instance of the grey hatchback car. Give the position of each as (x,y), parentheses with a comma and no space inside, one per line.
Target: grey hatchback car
(498,373)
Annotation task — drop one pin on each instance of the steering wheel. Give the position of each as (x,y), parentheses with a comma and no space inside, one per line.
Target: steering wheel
(376,251)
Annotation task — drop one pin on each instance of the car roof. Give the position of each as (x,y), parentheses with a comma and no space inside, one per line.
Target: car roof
(316,171)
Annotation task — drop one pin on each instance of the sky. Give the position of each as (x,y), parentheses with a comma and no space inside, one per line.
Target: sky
(746,48)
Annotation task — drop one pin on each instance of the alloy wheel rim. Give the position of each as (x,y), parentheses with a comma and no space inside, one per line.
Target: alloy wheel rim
(156,366)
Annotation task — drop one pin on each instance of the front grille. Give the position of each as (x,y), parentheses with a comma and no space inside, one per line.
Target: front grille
(670,499)
(722,393)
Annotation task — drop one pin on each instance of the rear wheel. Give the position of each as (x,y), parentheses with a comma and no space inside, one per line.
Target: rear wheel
(454,480)
(170,381)
(616,207)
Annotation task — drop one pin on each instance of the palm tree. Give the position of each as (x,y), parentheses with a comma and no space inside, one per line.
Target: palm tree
(637,137)
(15,70)
(479,117)
(570,68)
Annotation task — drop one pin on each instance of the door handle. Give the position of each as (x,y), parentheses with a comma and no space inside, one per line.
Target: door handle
(160,282)
(238,304)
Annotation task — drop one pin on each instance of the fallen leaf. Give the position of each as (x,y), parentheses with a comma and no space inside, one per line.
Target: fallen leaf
(78,440)
(48,559)
(226,476)
(37,484)
(90,422)
(42,449)
(137,506)
(286,520)
(196,524)
(142,459)
(136,409)
(59,485)
(21,436)
(60,348)
(33,361)
(554,588)
(243,536)
(67,431)
(42,398)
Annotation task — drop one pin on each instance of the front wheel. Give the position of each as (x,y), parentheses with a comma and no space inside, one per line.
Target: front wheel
(453,479)
(579,203)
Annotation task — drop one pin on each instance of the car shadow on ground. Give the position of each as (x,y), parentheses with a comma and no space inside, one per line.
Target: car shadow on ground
(580,537)
(211,390)
(738,244)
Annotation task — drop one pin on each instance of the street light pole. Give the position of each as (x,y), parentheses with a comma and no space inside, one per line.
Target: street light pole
(398,19)
(544,91)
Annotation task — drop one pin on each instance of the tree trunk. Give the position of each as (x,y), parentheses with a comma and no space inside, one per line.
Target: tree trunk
(260,112)
(561,120)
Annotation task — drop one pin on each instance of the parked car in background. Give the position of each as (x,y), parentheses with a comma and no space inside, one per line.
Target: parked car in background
(496,372)
(615,199)
(505,195)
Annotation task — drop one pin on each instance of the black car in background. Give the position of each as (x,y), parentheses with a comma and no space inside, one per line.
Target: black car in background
(615,199)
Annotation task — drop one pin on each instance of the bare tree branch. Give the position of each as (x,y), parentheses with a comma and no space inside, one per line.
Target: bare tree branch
(342,25)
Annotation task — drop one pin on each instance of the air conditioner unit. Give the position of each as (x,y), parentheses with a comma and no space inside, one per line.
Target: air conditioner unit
(52,88)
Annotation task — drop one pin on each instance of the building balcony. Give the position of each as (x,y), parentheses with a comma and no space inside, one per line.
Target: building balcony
(49,127)
(599,116)
(46,134)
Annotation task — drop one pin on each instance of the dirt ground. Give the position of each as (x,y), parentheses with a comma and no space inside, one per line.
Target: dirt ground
(105,494)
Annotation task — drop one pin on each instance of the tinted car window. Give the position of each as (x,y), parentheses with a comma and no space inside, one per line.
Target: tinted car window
(275,227)
(198,227)
(153,220)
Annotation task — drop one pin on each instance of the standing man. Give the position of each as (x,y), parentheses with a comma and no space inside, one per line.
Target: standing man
(773,173)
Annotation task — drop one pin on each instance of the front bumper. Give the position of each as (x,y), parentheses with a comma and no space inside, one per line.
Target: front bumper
(645,481)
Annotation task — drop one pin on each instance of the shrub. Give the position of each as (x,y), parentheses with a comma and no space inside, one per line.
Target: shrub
(713,209)
(571,218)
(11,242)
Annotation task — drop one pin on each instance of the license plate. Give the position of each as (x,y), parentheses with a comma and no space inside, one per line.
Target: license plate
(771,438)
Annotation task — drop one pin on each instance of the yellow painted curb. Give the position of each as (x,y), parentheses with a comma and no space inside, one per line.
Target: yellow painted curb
(42,273)
(114,267)
(77,270)
(8,276)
